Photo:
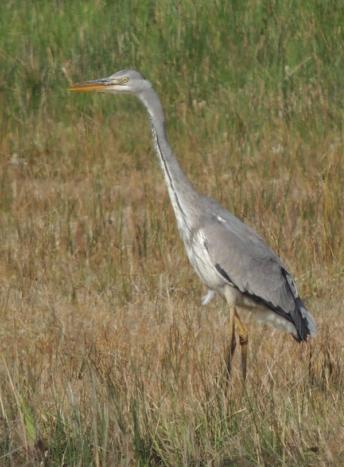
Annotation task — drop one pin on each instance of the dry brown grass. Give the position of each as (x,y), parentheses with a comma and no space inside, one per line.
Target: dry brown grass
(107,357)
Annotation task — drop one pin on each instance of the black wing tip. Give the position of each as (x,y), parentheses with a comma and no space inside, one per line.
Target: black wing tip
(301,318)
(305,325)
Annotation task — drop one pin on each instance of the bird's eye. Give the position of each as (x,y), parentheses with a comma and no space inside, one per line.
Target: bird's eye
(123,80)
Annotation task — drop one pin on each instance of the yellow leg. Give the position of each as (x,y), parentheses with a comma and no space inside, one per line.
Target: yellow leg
(243,339)
(232,340)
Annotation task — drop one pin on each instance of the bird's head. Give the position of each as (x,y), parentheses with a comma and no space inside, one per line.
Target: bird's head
(124,81)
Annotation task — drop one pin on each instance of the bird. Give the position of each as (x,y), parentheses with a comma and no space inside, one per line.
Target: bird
(229,257)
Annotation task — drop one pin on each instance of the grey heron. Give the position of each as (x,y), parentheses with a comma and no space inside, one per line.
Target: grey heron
(229,257)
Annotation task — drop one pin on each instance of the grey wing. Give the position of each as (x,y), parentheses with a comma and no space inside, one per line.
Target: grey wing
(243,259)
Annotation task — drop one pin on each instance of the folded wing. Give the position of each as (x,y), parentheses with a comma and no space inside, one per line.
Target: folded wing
(245,261)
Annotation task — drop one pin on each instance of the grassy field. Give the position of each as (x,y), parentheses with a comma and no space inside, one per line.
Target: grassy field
(107,357)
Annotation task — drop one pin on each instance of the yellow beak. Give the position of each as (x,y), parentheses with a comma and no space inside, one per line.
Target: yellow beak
(96,85)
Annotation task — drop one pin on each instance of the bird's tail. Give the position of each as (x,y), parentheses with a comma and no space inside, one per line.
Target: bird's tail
(302,319)
(308,327)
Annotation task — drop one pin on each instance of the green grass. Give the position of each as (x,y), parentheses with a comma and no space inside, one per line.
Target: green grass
(106,356)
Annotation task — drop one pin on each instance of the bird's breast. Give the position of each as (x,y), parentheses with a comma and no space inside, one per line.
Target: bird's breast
(200,260)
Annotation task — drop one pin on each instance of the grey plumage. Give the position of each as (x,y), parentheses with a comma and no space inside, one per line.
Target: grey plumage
(249,265)
(228,256)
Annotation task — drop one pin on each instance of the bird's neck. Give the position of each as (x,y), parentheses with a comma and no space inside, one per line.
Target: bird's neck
(182,194)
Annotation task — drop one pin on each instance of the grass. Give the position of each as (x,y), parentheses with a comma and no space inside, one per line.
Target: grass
(106,356)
